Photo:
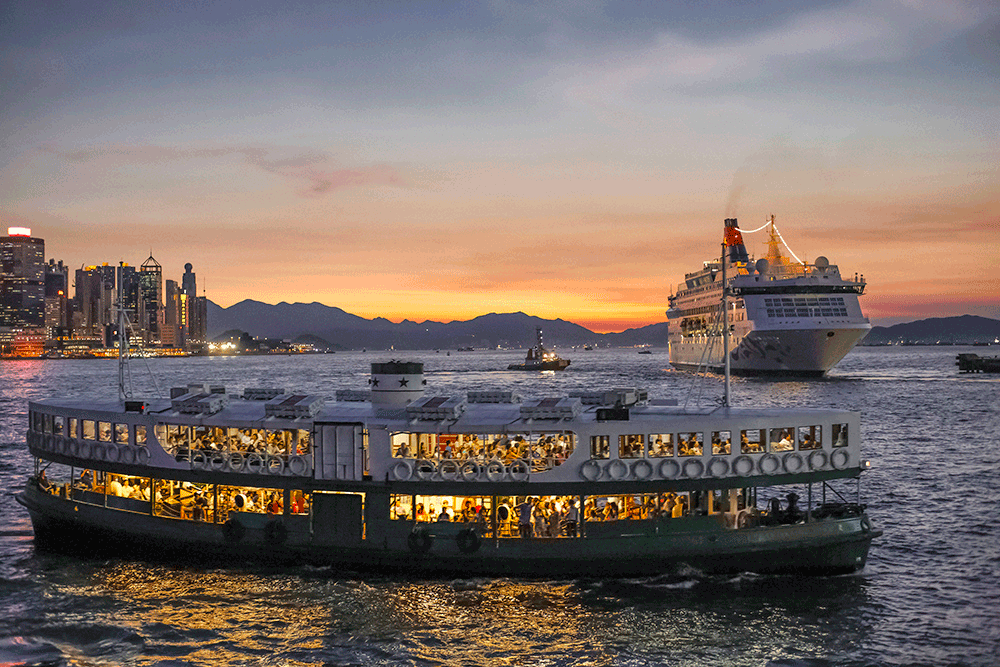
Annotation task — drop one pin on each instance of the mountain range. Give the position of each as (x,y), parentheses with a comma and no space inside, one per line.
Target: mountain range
(337,329)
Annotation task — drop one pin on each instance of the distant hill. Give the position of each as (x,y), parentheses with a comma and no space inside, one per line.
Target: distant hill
(342,330)
(964,329)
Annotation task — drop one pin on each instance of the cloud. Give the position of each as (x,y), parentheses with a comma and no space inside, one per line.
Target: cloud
(310,170)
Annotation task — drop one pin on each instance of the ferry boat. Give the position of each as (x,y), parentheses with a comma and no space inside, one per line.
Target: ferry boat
(540,359)
(788,318)
(392,478)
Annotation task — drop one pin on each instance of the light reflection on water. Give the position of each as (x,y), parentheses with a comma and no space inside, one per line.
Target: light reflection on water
(928,596)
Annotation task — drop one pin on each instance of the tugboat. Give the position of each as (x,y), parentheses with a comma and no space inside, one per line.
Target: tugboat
(540,359)
(605,482)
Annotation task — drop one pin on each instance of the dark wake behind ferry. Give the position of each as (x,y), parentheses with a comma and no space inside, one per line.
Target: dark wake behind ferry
(596,483)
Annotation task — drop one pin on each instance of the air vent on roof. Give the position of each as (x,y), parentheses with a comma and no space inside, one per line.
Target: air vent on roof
(353,395)
(296,406)
(619,397)
(494,396)
(436,407)
(551,408)
(262,393)
(199,404)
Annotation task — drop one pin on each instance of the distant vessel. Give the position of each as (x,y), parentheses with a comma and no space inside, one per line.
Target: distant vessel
(787,318)
(540,359)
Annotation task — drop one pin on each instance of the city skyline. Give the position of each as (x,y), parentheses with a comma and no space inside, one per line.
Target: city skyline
(570,161)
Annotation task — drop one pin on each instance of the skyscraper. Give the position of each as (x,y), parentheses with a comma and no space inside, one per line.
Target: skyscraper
(150,300)
(57,313)
(22,279)
(195,309)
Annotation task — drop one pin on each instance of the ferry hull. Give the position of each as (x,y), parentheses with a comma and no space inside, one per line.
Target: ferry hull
(795,352)
(657,546)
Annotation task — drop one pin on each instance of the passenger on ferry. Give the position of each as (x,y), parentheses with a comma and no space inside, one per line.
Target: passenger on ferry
(524,510)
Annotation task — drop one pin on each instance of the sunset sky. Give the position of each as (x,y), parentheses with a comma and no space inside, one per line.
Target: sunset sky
(431,160)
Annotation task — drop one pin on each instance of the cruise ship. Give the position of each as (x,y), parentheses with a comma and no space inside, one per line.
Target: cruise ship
(785,318)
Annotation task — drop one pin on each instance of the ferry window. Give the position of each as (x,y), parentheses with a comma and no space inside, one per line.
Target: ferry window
(104,431)
(121,434)
(689,444)
(140,435)
(89,429)
(58,424)
(299,502)
(631,446)
(782,439)
(752,441)
(661,444)
(721,441)
(74,428)
(535,516)
(402,445)
(400,507)
(47,424)
(201,438)
(160,431)
(839,435)
(600,447)
(302,446)
(810,437)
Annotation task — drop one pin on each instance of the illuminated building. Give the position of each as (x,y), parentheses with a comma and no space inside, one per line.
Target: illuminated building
(150,300)
(57,311)
(22,279)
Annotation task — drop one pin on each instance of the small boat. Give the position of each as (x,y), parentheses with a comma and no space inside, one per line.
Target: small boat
(540,359)
(601,482)
(645,350)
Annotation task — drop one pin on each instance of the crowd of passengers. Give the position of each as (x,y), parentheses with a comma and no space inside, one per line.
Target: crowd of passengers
(544,453)
(244,441)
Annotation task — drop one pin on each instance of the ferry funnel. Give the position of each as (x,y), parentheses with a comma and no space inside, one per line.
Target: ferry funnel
(395,384)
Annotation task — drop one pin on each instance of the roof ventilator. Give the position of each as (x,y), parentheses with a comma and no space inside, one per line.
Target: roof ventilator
(436,408)
(262,393)
(551,408)
(494,396)
(199,403)
(294,406)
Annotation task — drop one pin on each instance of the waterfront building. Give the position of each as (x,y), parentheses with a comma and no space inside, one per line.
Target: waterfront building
(22,279)
(150,300)
(58,314)
(195,309)
(95,287)
(171,333)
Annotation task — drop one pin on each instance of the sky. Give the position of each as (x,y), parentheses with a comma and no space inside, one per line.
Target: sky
(572,159)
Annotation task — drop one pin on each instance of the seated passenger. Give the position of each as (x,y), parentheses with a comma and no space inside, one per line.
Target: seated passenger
(43,482)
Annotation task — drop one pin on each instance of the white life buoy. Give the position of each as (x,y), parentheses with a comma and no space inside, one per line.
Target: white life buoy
(112,453)
(519,470)
(425,469)
(642,469)
(128,455)
(590,470)
(470,471)
(401,471)
(255,463)
(839,459)
(694,468)
(817,460)
(236,461)
(83,451)
(743,465)
(298,466)
(718,467)
(220,461)
(198,460)
(793,462)
(669,469)
(769,464)
(617,469)
(448,469)
(142,456)
(495,470)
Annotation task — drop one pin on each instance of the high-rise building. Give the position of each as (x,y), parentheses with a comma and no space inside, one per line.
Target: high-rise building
(22,279)
(150,300)
(95,296)
(195,313)
(171,334)
(57,303)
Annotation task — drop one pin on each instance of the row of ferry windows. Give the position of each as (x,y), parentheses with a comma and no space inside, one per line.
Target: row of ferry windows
(549,449)
(752,441)
(823,306)
(88,429)
(178,439)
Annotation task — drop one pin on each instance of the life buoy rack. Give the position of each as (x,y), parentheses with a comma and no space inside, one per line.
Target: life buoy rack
(839,459)
(113,453)
(297,465)
(495,470)
(793,462)
(419,541)
(425,469)
(255,463)
(470,471)
(769,464)
(236,461)
(693,468)
(642,469)
(669,469)
(199,460)
(743,465)
(468,541)
(142,456)
(275,465)
(220,461)
(233,531)
(402,471)
(718,467)
(448,469)
(817,460)
(85,449)
(275,532)
(519,470)
(590,470)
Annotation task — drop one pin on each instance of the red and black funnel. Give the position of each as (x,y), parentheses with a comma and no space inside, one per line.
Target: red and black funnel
(734,242)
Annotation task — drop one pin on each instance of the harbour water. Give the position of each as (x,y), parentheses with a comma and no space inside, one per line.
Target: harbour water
(930,594)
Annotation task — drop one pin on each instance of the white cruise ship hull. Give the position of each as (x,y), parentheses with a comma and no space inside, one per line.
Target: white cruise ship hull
(771,351)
